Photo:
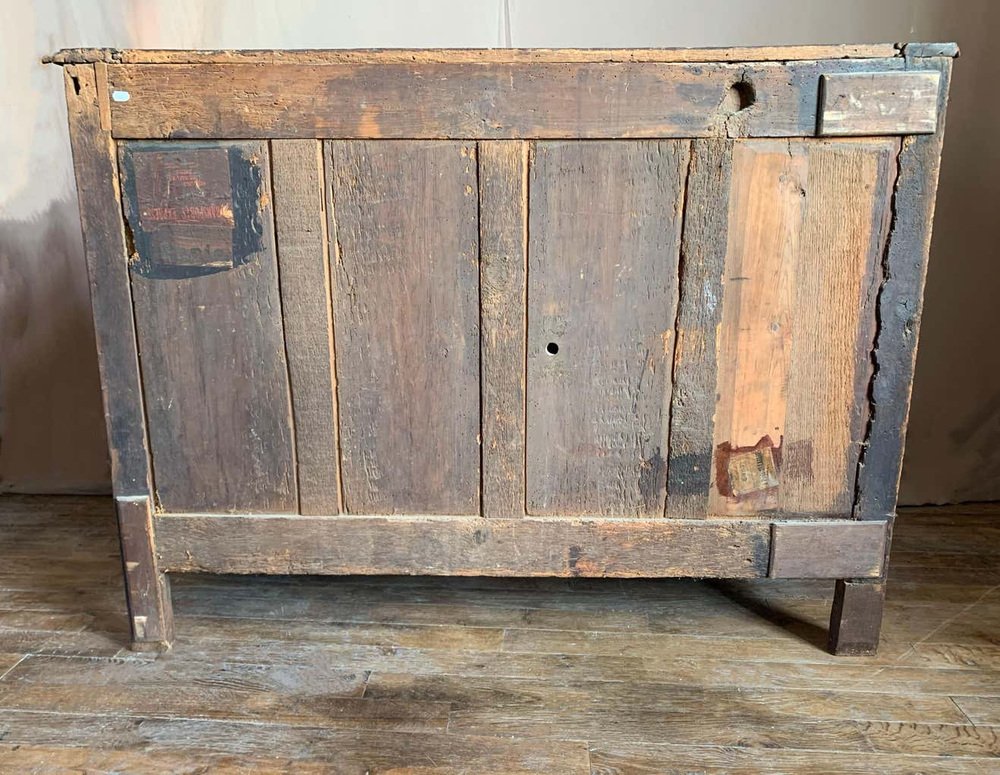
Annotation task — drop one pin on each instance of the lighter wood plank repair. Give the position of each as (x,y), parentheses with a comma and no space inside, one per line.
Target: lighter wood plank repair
(447,676)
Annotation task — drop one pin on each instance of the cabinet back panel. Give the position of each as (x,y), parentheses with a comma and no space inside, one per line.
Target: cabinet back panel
(807,227)
(208,318)
(604,234)
(404,226)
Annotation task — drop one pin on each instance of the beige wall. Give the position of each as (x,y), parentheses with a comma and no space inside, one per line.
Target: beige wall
(51,426)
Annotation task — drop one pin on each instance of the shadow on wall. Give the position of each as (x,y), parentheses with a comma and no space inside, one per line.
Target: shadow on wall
(54,437)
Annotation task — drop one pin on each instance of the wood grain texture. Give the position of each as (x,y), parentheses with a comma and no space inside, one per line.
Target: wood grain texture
(765,210)
(406,310)
(503,251)
(604,238)
(459,546)
(208,315)
(147,590)
(808,222)
(820,550)
(474,100)
(96,170)
(702,263)
(900,304)
(845,223)
(458,55)
(856,618)
(879,103)
(300,222)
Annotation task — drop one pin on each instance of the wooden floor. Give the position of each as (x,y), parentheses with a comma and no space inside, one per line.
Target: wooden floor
(424,675)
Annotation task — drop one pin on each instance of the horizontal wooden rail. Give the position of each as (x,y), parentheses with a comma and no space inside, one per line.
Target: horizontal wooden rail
(532,546)
(428,100)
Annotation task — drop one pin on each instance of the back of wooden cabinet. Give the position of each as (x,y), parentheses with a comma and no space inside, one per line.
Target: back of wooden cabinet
(635,328)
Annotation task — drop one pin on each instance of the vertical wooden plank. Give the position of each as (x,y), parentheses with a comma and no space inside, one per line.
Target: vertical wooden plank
(702,262)
(808,221)
(845,220)
(147,591)
(900,303)
(304,273)
(503,234)
(856,617)
(765,210)
(406,323)
(96,171)
(604,238)
(208,314)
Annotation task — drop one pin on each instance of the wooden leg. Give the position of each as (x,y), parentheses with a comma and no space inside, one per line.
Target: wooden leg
(856,618)
(147,591)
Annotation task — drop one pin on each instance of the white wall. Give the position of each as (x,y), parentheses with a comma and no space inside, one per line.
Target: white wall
(51,426)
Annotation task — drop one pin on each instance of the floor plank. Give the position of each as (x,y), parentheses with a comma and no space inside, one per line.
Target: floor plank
(463,675)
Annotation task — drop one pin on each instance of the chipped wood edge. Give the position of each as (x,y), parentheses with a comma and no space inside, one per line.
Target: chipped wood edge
(701,264)
(458,55)
(899,306)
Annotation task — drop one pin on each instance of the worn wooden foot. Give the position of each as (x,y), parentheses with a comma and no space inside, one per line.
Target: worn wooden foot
(147,591)
(856,618)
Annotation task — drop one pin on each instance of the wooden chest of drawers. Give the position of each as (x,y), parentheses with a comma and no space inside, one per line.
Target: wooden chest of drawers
(568,313)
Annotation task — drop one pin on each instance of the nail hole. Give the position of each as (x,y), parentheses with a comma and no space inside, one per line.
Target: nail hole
(120,96)
(741,96)
(551,348)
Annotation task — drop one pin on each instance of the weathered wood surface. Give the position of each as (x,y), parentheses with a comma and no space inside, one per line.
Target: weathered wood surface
(604,237)
(879,103)
(208,314)
(856,618)
(96,168)
(702,263)
(900,304)
(461,546)
(473,100)
(457,55)
(147,590)
(503,252)
(406,312)
(807,225)
(824,550)
(300,221)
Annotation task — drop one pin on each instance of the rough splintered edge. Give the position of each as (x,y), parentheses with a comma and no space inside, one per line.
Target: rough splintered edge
(736,53)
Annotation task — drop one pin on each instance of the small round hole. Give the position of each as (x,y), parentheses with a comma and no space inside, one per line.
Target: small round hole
(551,348)
(741,96)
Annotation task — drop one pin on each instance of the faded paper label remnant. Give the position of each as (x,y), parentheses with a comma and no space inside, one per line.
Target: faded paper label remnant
(752,471)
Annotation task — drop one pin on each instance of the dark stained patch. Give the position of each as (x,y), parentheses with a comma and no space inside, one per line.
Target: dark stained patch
(192,208)
(573,558)
(688,474)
